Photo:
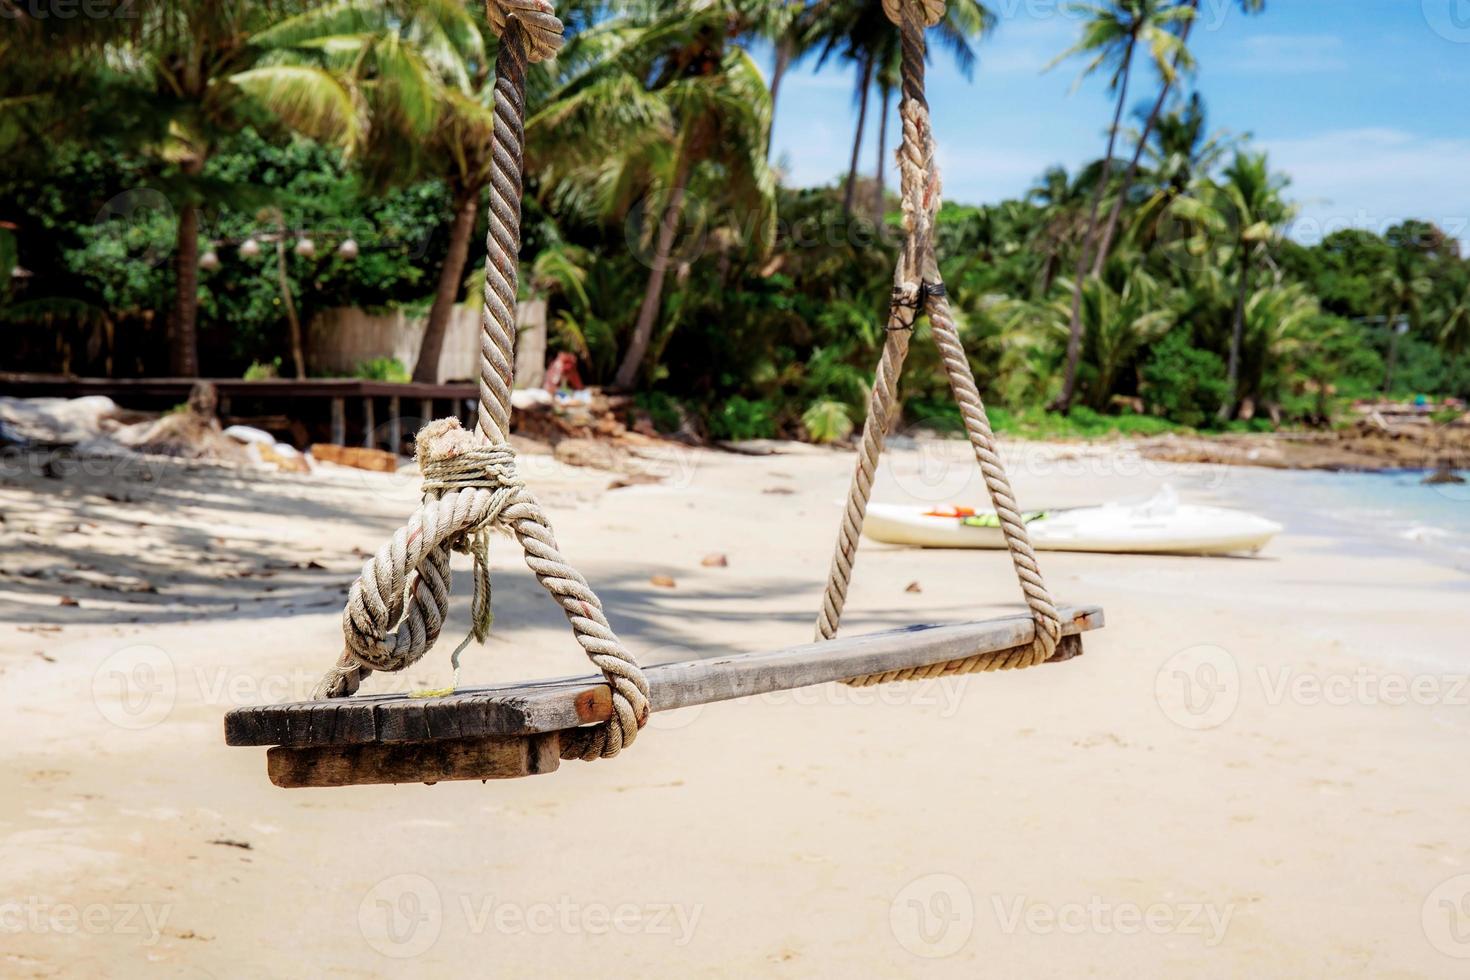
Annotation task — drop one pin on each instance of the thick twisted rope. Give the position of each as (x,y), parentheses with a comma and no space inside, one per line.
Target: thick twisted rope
(917,281)
(541,29)
(397,607)
(503,241)
(920,204)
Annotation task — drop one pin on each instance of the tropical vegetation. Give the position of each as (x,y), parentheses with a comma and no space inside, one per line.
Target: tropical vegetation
(1163,284)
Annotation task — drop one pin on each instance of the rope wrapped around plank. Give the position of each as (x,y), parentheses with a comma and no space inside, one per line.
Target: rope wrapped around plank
(917,283)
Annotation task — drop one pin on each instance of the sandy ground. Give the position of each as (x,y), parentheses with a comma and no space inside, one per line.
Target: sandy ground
(1257,768)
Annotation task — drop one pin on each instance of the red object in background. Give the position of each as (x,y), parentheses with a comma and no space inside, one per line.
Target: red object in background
(563,371)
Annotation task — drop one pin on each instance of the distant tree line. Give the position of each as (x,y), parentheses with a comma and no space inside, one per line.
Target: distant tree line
(164,171)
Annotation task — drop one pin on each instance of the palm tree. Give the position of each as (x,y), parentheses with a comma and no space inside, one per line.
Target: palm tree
(1181,152)
(652,103)
(861,33)
(201,67)
(888,83)
(1120,324)
(1279,324)
(784,26)
(1242,215)
(1062,202)
(1183,149)
(1183,61)
(1111,38)
(422,74)
(1454,330)
(1401,287)
(864,86)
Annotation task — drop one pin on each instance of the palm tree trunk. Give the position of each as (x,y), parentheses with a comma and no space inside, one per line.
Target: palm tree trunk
(1237,338)
(878,207)
(1132,174)
(1393,351)
(1063,401)
(784,52)
(293,322)
(184,341)
(1048,272)
(857,140)
(638,344)
(451,274)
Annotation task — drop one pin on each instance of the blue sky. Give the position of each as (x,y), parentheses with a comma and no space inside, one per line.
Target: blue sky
(1364,103)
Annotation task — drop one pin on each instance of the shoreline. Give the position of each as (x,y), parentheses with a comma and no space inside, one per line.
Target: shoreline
(1365,446)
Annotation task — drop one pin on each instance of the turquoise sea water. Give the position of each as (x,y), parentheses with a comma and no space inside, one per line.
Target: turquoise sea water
(1393,510)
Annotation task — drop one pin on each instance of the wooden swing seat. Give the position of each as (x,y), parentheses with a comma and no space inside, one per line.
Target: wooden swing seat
(514,730)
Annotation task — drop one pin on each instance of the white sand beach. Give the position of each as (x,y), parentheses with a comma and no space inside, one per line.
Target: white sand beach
(1258,764)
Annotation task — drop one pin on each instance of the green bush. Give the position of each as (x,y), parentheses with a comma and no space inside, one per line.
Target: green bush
(662,408)
(739,418)
(827,421)
(262,371)
(382,369)
(1082,423)
(1183,383)
(938,414)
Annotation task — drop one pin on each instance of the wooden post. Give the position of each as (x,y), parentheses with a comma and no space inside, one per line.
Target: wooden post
(531,343)
(369,425)
(339,422)
(426,409)
(395,425)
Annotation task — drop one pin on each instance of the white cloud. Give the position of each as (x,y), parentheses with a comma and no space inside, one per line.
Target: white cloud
(1373,178)
(1025,42)
(1288,54)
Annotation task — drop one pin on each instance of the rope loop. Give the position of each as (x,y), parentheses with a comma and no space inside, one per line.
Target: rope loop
(931,11)
(538,20)
(918,287)
(397,607)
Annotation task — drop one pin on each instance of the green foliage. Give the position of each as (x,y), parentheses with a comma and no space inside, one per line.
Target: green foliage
(663,409)
(1183,383)
(382,369)
(827,421)
(772,315)
(258,371)
(97,227)
(939,414)
(739,418)
(1081,423)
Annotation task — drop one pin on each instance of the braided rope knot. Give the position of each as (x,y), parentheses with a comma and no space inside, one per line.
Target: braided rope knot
(931,11)
(397,607)
(538,20)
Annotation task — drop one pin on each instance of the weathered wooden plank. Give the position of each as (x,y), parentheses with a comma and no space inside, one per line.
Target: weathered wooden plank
(499,757)
(563,703)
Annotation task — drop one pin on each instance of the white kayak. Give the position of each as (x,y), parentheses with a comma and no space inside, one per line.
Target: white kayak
(1161,525)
